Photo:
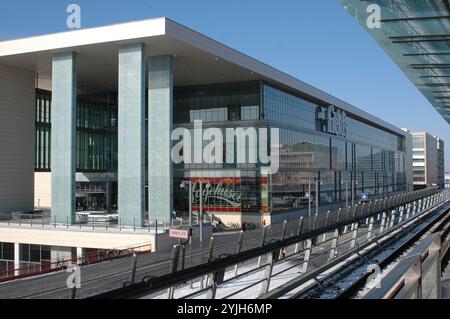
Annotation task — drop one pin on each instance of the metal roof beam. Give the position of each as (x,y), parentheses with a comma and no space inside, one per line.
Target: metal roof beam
(426,53)
(420,38)
(431,66)
(416,18)
(434,77)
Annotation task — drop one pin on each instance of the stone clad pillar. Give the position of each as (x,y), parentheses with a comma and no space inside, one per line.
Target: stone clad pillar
(63,137)
(131,136)
(160,113)
(16,259)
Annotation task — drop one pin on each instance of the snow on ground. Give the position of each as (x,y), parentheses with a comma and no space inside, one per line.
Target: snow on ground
(251,285)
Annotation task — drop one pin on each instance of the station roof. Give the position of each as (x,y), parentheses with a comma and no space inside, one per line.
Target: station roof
(416,35)
(198,59)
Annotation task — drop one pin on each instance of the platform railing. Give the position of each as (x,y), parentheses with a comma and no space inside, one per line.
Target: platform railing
(90,258)
(304,234)
(418,276)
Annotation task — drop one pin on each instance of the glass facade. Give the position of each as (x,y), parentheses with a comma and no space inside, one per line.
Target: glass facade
(217,103)
(368,157)
(240,185)
(96,151)
(96,134)
(43,128)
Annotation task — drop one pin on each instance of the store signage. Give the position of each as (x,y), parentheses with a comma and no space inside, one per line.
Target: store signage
(217,191)
(178,233)
(333,121)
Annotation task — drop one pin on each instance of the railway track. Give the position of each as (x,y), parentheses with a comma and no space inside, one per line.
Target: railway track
(106,280)
(352,276)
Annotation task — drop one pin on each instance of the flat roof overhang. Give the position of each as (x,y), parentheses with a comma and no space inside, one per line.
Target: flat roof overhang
(416,35)
(197,60)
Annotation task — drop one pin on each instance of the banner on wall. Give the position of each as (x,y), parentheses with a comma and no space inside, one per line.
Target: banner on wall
(224,195)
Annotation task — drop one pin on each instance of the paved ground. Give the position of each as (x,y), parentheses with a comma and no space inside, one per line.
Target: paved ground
(110,275)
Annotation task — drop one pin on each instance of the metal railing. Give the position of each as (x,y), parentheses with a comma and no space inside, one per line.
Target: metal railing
(418,276)
(268,242)
(87,223)
(90,258)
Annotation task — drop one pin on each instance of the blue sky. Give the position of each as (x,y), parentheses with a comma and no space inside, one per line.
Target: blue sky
(316,41)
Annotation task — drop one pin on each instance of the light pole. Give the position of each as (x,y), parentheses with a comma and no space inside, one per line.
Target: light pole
(317,194)
(353,191)
(183,185)
(309,197)
(208,185)
(346,192)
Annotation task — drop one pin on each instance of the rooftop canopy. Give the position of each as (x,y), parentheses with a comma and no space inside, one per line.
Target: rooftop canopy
(197,60)
(416,34)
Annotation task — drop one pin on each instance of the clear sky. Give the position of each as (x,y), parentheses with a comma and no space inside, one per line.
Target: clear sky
(316,41)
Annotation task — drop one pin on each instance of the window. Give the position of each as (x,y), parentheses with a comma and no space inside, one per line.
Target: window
(249,113)
(210,115)
(6,251)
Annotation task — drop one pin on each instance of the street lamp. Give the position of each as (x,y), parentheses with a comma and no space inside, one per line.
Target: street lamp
(309,197)
(346,192)
(183,186)
(317,194)
(353,191)
(208,186)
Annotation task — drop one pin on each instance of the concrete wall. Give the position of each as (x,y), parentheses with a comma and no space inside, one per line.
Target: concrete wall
(43,190)
(441,162)
(17,139)
(75,238)
(431,160)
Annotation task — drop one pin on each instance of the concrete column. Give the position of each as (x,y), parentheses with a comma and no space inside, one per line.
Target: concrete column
(63,139)
(160,115)
(307,256)
(400,218)
(414,211)
(354,241)
(383,222)
(370,228)
(267,274)
(392,219)
(16,259)
(131,140)
(334,243)
(79,255)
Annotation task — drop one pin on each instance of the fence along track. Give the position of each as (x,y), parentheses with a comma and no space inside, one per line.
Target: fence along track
(402,206)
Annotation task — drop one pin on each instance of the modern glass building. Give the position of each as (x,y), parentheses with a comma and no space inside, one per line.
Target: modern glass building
(96,149)
(428,160)
(100,106)
(368,159)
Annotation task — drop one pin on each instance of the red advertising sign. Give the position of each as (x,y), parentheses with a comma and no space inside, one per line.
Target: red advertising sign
(179,233)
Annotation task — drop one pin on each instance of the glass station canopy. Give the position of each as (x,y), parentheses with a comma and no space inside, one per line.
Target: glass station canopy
(416,35)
